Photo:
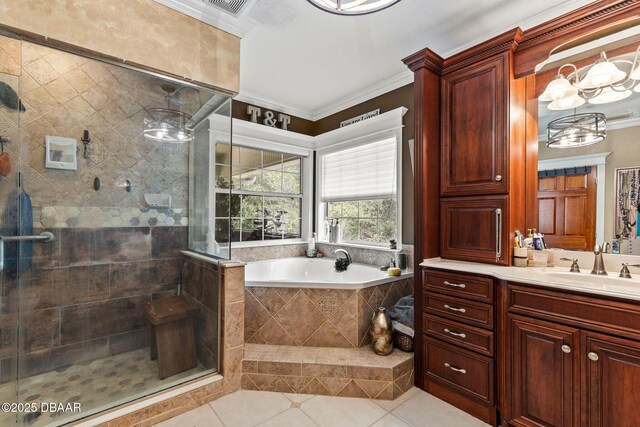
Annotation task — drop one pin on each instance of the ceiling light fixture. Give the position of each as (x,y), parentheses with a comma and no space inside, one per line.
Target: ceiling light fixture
(604,81)
(578,130)
(352,7)
(167,124)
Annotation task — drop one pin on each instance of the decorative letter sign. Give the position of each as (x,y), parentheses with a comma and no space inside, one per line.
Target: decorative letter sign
(269,117)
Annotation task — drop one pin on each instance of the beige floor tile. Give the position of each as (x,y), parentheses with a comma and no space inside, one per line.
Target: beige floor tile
(249,408)
(390,405)
(425,410)
(199,417)
(298,398)
(290,418)
(337,412)
(390,421)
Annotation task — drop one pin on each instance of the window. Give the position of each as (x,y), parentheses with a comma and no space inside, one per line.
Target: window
(266,194)
(359,189)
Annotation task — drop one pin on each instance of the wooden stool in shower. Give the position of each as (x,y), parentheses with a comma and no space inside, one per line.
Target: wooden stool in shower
(172,340)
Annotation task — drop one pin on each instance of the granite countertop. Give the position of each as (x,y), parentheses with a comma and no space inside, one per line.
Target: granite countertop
(558,278)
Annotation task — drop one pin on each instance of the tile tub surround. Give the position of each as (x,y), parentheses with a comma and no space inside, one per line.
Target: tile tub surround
(316,317)
(356,372)
(83,299)
(371,256)
(232,348)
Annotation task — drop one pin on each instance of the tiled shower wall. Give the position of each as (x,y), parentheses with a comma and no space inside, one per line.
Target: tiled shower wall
(83,297)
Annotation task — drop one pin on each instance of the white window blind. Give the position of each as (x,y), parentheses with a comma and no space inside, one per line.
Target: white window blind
(364,172)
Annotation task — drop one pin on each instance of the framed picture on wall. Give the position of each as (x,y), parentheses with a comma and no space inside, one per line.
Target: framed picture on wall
(626,202)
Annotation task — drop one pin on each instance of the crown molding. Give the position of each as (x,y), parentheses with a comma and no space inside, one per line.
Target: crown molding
(270,104)
(380,88)
(387,85)
(209,15)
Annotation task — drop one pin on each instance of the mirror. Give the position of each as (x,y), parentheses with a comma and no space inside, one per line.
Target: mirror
(588,194)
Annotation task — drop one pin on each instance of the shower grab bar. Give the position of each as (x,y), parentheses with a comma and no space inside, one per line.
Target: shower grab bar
(44,237)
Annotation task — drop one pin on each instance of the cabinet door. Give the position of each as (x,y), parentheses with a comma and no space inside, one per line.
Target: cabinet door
(545,378)
(475,134)
(475,229)
(612,381)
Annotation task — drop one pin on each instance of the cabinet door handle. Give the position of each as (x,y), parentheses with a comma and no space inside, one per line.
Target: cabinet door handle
(462,371)
(498,234)
(455,285)
(566,349)
(455,334)
(498,178)
(461,310)
(593,356)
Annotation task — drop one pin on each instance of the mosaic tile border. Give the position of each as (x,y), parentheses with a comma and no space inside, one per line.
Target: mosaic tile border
(81,217)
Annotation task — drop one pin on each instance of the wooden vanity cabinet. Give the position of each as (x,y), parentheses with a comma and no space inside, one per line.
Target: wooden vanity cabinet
(458,324)
(561,369)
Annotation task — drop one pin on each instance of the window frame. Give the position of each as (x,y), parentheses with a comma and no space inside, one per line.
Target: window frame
(260,137)
(368,131)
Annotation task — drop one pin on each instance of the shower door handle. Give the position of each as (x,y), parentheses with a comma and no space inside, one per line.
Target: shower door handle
(44,237)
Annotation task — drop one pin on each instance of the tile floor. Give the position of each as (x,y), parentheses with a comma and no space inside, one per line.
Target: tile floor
(258,408)
(98,385)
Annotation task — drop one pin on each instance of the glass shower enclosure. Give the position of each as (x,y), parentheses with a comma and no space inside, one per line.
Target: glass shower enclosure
(97,201)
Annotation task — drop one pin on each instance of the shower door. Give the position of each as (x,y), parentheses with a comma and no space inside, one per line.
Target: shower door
(92,237)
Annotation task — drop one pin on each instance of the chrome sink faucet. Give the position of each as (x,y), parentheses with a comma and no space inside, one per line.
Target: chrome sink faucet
(625,273)
(598,262)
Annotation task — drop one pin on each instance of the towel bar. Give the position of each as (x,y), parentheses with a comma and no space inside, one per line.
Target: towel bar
(45,237)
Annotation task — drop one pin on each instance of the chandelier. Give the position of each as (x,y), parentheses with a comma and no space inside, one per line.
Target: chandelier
(578,130)
(167,124)
(604,81)
(352,7)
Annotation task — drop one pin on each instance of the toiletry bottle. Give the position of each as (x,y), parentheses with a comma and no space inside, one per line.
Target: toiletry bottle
(311,242)
(336,232)
(528,242)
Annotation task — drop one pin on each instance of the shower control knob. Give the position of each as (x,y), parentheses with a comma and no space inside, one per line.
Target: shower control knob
(498,178)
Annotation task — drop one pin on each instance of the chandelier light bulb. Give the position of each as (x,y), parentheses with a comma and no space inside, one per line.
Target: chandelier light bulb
(602,74)
(609,95)
(566,103)
(558,88)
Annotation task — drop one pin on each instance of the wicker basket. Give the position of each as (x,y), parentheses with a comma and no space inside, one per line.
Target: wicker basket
(402,341)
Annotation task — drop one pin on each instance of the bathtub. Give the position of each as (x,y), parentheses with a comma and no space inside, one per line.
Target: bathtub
(315,273)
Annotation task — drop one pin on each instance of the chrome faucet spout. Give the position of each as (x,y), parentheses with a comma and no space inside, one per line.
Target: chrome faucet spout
(598,262)
(346,254)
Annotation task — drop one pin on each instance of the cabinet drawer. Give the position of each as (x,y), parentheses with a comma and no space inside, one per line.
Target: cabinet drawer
(456,333)
(461,285)
(468,373)
(473,313)
(585,312)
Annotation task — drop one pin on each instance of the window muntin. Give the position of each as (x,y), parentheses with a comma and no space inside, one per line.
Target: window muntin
(266,194)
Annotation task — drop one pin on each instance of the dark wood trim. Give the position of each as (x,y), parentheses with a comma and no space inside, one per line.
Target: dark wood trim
(30,37)
(505,42)
(531,155)
(426,67)
(537,42)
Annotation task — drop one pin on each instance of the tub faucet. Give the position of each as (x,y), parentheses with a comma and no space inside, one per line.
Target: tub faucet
(598,262)
(342,263)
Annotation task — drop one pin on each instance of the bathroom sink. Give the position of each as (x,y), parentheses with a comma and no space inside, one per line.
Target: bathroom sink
(610,283)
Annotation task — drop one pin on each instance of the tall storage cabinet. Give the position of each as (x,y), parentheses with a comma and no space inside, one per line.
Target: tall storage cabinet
(482,153)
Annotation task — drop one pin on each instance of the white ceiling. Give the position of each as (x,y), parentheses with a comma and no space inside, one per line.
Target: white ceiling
(310,63)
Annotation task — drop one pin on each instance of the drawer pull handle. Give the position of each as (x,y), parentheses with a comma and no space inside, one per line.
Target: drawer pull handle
(593,356)
(566,349)
(462,371)
(455,285)
(455,334)
(461,310)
